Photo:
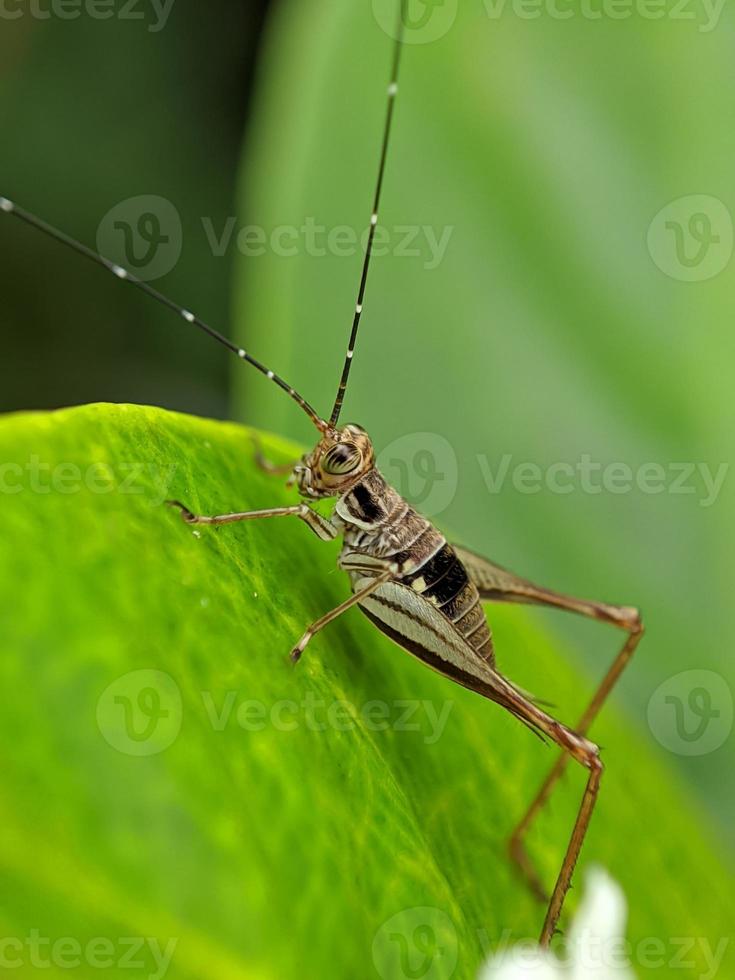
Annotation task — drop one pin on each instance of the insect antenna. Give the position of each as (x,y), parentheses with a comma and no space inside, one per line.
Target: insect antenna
(392,92)
(9,207)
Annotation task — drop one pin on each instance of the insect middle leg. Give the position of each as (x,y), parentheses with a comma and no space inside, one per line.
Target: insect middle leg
(354,599)
(375,569)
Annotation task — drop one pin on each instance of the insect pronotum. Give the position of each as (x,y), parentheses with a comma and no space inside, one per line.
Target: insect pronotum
(423,592)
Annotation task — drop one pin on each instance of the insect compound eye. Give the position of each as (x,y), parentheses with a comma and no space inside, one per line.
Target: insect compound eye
(341,459)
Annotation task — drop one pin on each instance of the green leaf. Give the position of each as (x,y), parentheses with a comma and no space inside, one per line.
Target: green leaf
(268,824)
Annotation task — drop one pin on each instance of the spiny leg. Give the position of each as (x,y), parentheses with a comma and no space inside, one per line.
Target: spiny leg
(579,833)
(586,753)
(342,607)
(516,843)
(498,584)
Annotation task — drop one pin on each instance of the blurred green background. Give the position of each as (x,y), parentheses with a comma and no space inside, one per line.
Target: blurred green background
(95,112)
(562,319)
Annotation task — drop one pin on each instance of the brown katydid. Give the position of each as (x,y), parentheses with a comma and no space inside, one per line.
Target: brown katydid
(418,589)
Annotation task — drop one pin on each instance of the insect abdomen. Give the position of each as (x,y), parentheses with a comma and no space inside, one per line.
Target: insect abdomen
(444,582)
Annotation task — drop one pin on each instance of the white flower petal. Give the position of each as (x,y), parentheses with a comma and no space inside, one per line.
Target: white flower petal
(523,964)
(596,947)
(603,912)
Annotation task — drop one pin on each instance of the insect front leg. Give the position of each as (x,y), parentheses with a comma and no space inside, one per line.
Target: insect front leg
(321,526)
(354,599)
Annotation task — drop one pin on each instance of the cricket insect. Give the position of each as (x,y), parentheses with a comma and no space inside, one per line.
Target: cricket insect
(423,592)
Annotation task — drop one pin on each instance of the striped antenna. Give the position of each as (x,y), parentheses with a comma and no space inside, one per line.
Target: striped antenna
(392,92)
(8,207)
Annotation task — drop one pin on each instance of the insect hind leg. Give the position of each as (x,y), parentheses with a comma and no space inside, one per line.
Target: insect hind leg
(574,745)
(516,844)
(498,584)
